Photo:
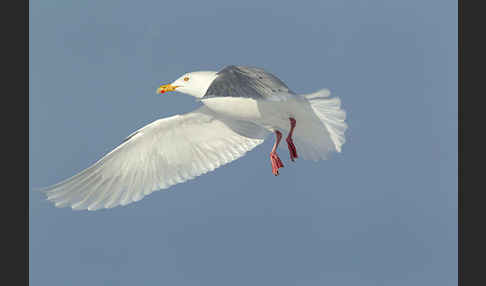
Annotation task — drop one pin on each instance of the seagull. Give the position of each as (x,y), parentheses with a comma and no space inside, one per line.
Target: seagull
(241,106)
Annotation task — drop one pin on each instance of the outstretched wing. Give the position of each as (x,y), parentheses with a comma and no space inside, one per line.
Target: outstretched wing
(166,152)
(240,81)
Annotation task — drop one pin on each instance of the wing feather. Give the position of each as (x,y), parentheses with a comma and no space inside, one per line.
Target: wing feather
(166,152)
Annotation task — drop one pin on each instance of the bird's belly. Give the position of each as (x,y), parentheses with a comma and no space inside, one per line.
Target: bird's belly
(272,115)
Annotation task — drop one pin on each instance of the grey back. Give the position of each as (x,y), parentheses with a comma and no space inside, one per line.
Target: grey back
(241,81)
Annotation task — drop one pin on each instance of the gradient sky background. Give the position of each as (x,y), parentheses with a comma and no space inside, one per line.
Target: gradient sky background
(384,212)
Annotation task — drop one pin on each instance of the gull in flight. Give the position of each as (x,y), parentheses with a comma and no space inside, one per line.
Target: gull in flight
(241,107)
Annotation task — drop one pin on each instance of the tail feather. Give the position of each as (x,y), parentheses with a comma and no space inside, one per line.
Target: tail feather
(329,112)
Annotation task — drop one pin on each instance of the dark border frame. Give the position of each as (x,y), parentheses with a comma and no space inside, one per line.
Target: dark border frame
(15,135)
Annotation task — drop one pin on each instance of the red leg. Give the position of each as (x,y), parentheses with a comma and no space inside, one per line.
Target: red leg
(276,162)
(290,142)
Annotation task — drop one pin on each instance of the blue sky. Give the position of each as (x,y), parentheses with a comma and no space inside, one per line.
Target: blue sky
(383,212)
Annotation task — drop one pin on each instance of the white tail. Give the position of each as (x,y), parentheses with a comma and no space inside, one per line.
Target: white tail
(329,112)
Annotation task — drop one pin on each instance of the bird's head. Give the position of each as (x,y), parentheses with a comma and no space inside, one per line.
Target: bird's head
(194,83)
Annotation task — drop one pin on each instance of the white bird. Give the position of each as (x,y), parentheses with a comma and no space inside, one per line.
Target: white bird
(241,106)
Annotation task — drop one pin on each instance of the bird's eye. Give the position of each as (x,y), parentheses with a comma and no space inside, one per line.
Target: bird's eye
(186,78)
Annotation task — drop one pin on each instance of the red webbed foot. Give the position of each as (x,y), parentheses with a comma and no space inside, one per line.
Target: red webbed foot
(290,142)
(276,162)
(292,149)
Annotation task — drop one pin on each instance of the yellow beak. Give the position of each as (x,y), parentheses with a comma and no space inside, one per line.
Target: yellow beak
(166,88)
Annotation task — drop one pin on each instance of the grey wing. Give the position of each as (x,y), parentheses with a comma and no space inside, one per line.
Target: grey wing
(251,82)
